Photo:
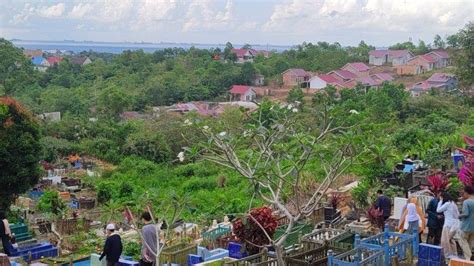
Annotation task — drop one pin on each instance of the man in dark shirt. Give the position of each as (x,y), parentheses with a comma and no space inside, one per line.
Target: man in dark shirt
(384,204)
(113,247)
(435,223)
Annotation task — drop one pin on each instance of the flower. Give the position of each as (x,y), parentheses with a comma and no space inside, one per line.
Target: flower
(289,106)
(187,122)
(222,134)
(180,156)
(353,112)
(246,133)
(205,127)
(294,110)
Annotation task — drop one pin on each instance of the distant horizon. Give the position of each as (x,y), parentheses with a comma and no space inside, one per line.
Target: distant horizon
(279,22)
(144,42)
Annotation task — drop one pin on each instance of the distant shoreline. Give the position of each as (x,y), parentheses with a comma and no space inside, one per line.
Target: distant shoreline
(119,47)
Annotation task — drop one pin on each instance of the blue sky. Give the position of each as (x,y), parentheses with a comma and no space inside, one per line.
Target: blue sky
(378,22)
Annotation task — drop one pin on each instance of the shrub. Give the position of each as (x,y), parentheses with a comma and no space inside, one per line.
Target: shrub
(249,229)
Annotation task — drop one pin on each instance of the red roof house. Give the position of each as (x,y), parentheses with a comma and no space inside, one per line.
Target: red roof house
(417,65)
(342,75)
(382,77)
(358,68)
(54,60)
(295,77)
(441,58)
(242,93)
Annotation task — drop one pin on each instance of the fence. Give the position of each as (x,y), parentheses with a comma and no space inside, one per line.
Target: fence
(392,244)
(319,237)
(360,256)
(177,254)
(72,226)
(314,257)
(260,259)
(213,234)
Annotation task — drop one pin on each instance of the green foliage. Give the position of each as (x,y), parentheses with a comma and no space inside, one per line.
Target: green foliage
(50,202)
(463,58)
(295,95)
(132,249)
(20,151)
(455,187)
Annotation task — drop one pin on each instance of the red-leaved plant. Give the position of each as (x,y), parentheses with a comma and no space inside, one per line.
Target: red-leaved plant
(466,173)
(375,217)
(335,200)
(438,182)
(249,229)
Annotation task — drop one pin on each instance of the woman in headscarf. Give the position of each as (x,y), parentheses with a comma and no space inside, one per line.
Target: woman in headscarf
(412,217)
(448,207)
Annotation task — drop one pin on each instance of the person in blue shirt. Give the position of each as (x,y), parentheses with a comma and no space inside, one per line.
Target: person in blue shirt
(435,222)
(384,204)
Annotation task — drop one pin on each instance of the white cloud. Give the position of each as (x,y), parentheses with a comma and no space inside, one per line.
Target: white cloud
(201,16)
(52,11)
(303,16)
(80,11)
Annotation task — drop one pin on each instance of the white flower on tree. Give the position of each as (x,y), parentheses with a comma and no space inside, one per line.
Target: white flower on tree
(205,127)
(187,122)
(222,134)
(294,110)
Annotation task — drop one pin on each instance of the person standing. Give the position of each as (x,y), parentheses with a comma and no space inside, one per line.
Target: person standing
(384,204)
(435,222)
(5,234)
(149,241)
(113,247)
(467,223)
(448,207)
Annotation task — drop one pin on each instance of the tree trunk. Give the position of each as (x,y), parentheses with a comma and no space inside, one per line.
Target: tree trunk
(60,239)
(280,254)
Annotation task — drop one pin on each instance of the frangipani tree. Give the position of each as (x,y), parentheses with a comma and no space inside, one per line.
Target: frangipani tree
(272,150)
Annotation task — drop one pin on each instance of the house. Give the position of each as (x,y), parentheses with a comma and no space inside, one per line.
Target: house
(244,55)
(342,75)
(40,63)
(81,60)
(436,81)
(54,60)
(417,65)
(367,82)
(441,57)
(443,81)
(242,93)
(382,77)
(259,80)
(295,77)
(32,53)
(321,81)
(394,57)
(358,68)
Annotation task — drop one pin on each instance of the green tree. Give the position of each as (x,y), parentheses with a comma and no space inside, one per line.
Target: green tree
(422,48)
(113,101)
(438,42)
(20,151)
(295,95)
(465,57)
(16,71)
(453,41)
(248,73)
(247,46)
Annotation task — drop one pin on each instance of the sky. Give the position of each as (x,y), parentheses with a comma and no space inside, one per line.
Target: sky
(285,22)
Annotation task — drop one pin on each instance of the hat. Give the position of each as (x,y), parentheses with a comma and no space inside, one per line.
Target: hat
(110,227)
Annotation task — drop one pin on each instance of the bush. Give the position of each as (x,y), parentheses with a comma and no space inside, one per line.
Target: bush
(50,202)
(104,192)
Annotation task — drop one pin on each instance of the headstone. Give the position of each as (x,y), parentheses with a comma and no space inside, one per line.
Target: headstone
(398,205)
